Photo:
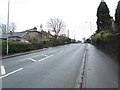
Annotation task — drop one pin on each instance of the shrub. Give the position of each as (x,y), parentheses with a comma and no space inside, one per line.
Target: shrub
(15,47)
(102,35)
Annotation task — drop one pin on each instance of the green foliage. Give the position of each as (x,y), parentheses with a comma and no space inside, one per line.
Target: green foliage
(97,36)
(15,47)
(34,40)
(117,17)
(102,35)
(117,13)
(57,42)
(103,17)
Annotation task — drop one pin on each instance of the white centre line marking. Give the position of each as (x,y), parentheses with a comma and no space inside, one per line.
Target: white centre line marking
(45,58)
(2,70)
(11,73)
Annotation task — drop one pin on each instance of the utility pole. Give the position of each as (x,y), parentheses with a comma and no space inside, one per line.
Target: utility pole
(90,26)
(8,24)
(68,33)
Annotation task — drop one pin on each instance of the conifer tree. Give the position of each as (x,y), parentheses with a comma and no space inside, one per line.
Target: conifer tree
(117,17)
(103,17)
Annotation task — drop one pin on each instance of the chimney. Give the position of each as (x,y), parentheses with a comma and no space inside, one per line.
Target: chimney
(102,1)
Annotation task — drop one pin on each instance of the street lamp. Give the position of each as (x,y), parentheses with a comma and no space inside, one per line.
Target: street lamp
(68,33)
(8,24)
(90,26)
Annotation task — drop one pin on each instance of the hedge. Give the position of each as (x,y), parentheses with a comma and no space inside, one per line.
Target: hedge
(16,47)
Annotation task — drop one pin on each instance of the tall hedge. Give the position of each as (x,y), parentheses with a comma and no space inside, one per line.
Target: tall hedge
(15,47)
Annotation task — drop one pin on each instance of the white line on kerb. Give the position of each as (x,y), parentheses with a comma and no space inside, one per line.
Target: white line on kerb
(11,73)
(45,58)
(2,69)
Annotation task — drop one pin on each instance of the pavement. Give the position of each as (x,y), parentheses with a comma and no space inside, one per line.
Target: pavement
(61,67)
(101,70)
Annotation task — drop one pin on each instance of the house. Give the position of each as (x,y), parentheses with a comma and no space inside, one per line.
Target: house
(45,36)
(14,36)
(28,35)
(31,34)
(23,36)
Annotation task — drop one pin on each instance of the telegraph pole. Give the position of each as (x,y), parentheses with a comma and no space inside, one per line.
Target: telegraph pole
(68,33)
(8,24)
(90,26)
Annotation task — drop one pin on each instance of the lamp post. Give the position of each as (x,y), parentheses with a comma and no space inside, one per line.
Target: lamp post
(8,24)
(68,33)
(90,28)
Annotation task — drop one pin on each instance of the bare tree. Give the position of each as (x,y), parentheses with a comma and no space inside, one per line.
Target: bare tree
(56,25)
(3,28)
(12,27)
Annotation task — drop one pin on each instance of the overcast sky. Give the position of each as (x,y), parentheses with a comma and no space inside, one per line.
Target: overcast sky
(29,13)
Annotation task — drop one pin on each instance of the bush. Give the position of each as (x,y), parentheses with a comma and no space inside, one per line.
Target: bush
(37,46)
(15,47)
(102,35)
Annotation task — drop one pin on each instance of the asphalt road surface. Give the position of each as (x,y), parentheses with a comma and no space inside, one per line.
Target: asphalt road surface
(55,67)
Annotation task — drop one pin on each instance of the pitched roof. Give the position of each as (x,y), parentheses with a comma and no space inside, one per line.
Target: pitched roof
(31,30)
(16,34)
(46,33)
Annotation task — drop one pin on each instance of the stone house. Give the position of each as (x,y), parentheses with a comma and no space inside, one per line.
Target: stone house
(28,35)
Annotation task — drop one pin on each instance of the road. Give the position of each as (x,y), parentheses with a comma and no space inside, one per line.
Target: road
(55,67)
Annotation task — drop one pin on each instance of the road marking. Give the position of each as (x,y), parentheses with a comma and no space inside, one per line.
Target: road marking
(45,55)
(28,59)
(2,70)
(32,59)
(35,56)
(60,51)
(24,59)
(11,73)
(44,58)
